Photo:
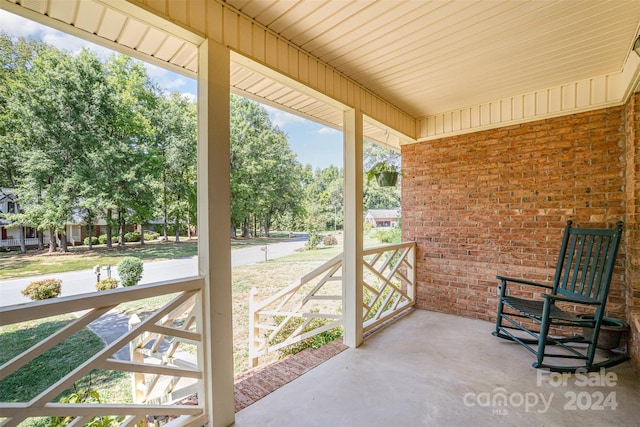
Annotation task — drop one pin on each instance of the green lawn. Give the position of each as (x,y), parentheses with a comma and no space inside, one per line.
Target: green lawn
(49,367)
(35,263)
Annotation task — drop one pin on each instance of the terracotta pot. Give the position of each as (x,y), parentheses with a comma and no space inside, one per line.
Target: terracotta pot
(611,331)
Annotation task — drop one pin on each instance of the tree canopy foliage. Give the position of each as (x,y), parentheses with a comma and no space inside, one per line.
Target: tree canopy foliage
(85,139)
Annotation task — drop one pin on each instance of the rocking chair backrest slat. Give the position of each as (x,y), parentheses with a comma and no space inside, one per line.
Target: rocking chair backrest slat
(586,262)
(595,273)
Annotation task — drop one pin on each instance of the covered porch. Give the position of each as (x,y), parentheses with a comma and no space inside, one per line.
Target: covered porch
(505,134)
(430,368)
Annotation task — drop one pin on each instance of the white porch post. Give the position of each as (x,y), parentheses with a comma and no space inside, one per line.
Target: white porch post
(214,222)
(353,199)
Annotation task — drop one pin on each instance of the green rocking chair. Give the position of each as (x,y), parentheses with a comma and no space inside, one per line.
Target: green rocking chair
(582,278)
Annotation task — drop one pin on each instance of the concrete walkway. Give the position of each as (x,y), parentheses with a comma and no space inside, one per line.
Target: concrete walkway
(84,281)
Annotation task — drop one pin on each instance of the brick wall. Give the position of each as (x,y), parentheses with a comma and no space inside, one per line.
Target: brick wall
(496,202)
(632,236)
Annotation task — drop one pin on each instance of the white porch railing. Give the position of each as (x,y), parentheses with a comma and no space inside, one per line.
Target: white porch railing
(9,243)
(313,303)
(389,282)
(178,318)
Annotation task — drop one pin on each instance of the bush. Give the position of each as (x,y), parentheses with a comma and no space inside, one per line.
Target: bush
(106,284)
(151,235)
(132,236)
(130,271)
(102,239)
(329,241)
(389,236)
(84,396)
(94,240)
(43,289)
(314,240)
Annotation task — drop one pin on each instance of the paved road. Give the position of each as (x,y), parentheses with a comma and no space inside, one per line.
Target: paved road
(78,282)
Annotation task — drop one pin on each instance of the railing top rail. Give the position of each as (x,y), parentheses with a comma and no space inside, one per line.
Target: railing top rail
(388,247)
(56,306)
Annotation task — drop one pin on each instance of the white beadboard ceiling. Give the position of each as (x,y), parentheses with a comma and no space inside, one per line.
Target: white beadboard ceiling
(428,57)
(118,25)
(425,57)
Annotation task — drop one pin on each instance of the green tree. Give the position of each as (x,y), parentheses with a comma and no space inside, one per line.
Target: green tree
(266,179)
(175,140)
(56,110)
(125,166)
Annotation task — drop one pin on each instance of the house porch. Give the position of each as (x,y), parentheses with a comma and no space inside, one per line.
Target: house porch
(436,369)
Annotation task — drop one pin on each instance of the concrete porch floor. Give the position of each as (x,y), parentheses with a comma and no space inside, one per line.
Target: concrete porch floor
(434,369)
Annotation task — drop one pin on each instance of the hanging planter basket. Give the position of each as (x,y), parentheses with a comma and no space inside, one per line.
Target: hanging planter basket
(387,179)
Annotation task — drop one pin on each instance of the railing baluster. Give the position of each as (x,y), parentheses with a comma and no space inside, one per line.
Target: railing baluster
(160,322)
(390,281)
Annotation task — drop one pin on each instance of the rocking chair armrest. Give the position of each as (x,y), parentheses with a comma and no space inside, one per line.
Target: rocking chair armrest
(564,298)
(522,282)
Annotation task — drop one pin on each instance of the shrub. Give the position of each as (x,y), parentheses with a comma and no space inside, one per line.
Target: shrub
(106,284)
(389,236)
(130,271)
(329,241)
(94,240)
(103,239)
(314,240)
(151,235)
(132,236)
(43,289)
(84,396)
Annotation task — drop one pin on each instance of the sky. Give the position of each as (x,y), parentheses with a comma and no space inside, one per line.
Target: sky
(314,144)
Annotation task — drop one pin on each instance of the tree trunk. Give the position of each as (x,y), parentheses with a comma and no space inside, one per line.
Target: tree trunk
(245,228)
(122,224)
(189,225)
(177,230)
(63,242)
(255,226)
(165,215)
(90,233)
(267,227)
(234,232)
(23,245)
(53,245)
(40,239)
(142,235)
(109,231)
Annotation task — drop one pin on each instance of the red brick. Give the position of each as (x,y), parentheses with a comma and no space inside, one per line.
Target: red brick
(495,202)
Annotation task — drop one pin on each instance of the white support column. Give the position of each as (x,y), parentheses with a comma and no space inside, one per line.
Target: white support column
(353,200)
(214,223)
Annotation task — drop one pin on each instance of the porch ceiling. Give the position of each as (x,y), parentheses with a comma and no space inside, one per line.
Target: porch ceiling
(428,57)
(424,57)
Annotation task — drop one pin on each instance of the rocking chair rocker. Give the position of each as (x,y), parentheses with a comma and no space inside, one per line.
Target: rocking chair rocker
(582,278)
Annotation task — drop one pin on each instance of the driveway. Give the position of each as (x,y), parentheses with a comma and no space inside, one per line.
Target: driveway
(83,281)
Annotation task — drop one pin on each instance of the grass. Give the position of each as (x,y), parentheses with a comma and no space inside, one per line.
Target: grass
(46,369)
(35,263)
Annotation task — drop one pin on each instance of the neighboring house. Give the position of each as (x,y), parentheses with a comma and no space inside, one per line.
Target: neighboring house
(76,229)
(383,217)
(9,233)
